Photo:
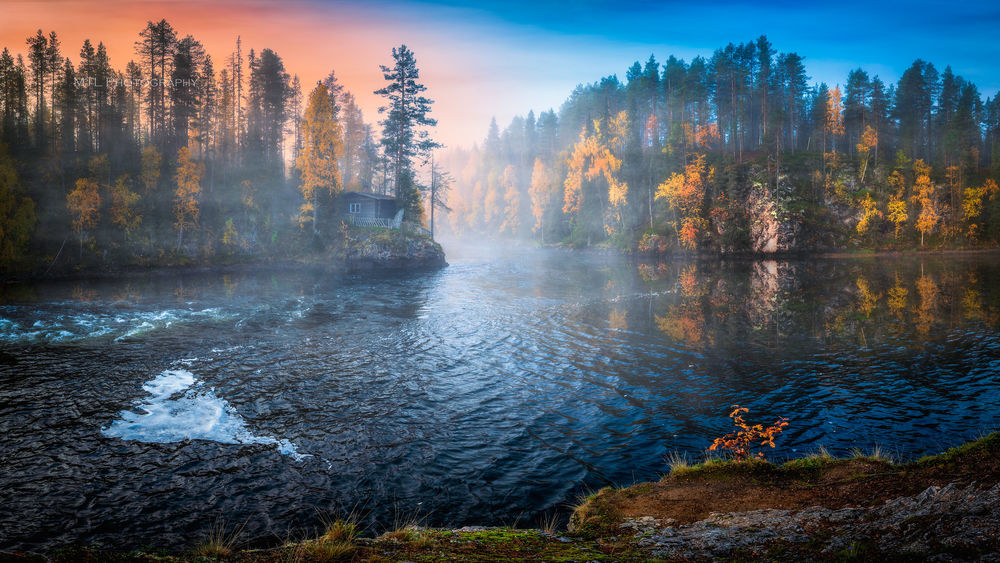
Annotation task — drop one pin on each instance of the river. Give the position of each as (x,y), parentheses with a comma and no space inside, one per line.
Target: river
(146,410)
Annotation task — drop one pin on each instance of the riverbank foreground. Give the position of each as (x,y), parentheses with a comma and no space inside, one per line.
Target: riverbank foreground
(816,508)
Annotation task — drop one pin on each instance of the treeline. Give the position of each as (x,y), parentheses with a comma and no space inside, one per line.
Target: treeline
(682,155)
(173,155)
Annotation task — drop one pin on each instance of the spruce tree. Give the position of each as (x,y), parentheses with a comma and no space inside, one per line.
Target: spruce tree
(404,134)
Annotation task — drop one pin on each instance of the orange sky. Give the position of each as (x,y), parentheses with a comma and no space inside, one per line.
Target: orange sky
(311,39)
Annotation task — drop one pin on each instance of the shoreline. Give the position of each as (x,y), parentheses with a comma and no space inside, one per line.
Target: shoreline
(365,253)
(812,508)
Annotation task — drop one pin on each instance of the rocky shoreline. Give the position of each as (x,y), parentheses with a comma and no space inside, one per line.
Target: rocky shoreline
(818,508)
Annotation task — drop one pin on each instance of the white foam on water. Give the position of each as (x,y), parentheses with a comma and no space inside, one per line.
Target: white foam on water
(177,410)
(80,325)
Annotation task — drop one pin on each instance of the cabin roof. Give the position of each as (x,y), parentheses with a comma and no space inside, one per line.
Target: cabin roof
(371,195)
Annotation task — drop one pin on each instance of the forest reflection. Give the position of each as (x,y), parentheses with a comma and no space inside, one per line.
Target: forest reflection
(867,301)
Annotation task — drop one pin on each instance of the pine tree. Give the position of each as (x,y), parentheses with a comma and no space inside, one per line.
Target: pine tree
(155,49)
(404,129)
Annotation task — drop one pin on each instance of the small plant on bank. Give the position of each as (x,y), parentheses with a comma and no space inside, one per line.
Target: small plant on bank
(220,542)
(742,443)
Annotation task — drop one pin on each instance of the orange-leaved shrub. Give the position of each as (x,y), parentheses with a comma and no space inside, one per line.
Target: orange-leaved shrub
(742,443)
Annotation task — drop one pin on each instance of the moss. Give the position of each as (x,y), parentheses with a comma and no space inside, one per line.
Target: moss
(987,445)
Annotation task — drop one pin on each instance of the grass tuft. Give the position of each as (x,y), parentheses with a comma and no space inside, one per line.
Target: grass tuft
(549,523)
(678,461)
(220,542)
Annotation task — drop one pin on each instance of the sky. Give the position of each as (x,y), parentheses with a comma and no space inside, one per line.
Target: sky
(499,59)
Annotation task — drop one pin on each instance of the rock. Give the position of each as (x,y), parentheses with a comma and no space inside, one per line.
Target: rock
(771,229)
(383,249)
(938,522)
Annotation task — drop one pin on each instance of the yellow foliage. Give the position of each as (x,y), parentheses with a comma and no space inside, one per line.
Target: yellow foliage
(541,191)
(869,299)
(924,195)
(869,213)
(83,203)
(834,114)
(897,212)
(188,177)
(927,310)
(591,158)
(123,207)
(972,204)
(322,147)
(869,140)
(897,297)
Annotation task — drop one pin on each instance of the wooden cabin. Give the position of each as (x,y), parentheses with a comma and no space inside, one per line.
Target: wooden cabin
(368,209)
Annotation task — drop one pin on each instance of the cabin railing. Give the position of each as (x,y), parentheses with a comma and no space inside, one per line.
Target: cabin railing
(369,221)
(395,223)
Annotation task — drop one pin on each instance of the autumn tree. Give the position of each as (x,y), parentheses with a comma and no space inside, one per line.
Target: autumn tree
(685,194)
(188,193)
(594,158)
(870,214)
(869,140)
(511,223)
(924,195)
(833,128)
(541,192)
(322,147)
(84,203)
(124,207)
(972,205)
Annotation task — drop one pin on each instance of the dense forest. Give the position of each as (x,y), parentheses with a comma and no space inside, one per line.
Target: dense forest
(174,157)
(738,152)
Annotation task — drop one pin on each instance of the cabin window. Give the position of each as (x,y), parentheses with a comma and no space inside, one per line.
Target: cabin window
(354,208)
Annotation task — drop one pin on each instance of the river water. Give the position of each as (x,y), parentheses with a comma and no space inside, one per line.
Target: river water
(146,410)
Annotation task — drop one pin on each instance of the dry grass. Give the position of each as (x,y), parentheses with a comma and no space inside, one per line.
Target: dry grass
(549,523)
(221,542)
(678,461)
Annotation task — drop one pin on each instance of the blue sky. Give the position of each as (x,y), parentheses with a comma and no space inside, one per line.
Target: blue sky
(494,58)
(539,50)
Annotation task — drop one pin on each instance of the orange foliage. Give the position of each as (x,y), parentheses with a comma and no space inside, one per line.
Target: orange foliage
(924,194)
(741,443)
(834,115)
(686,193)
(707,135)
(83,203)
(593,157)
